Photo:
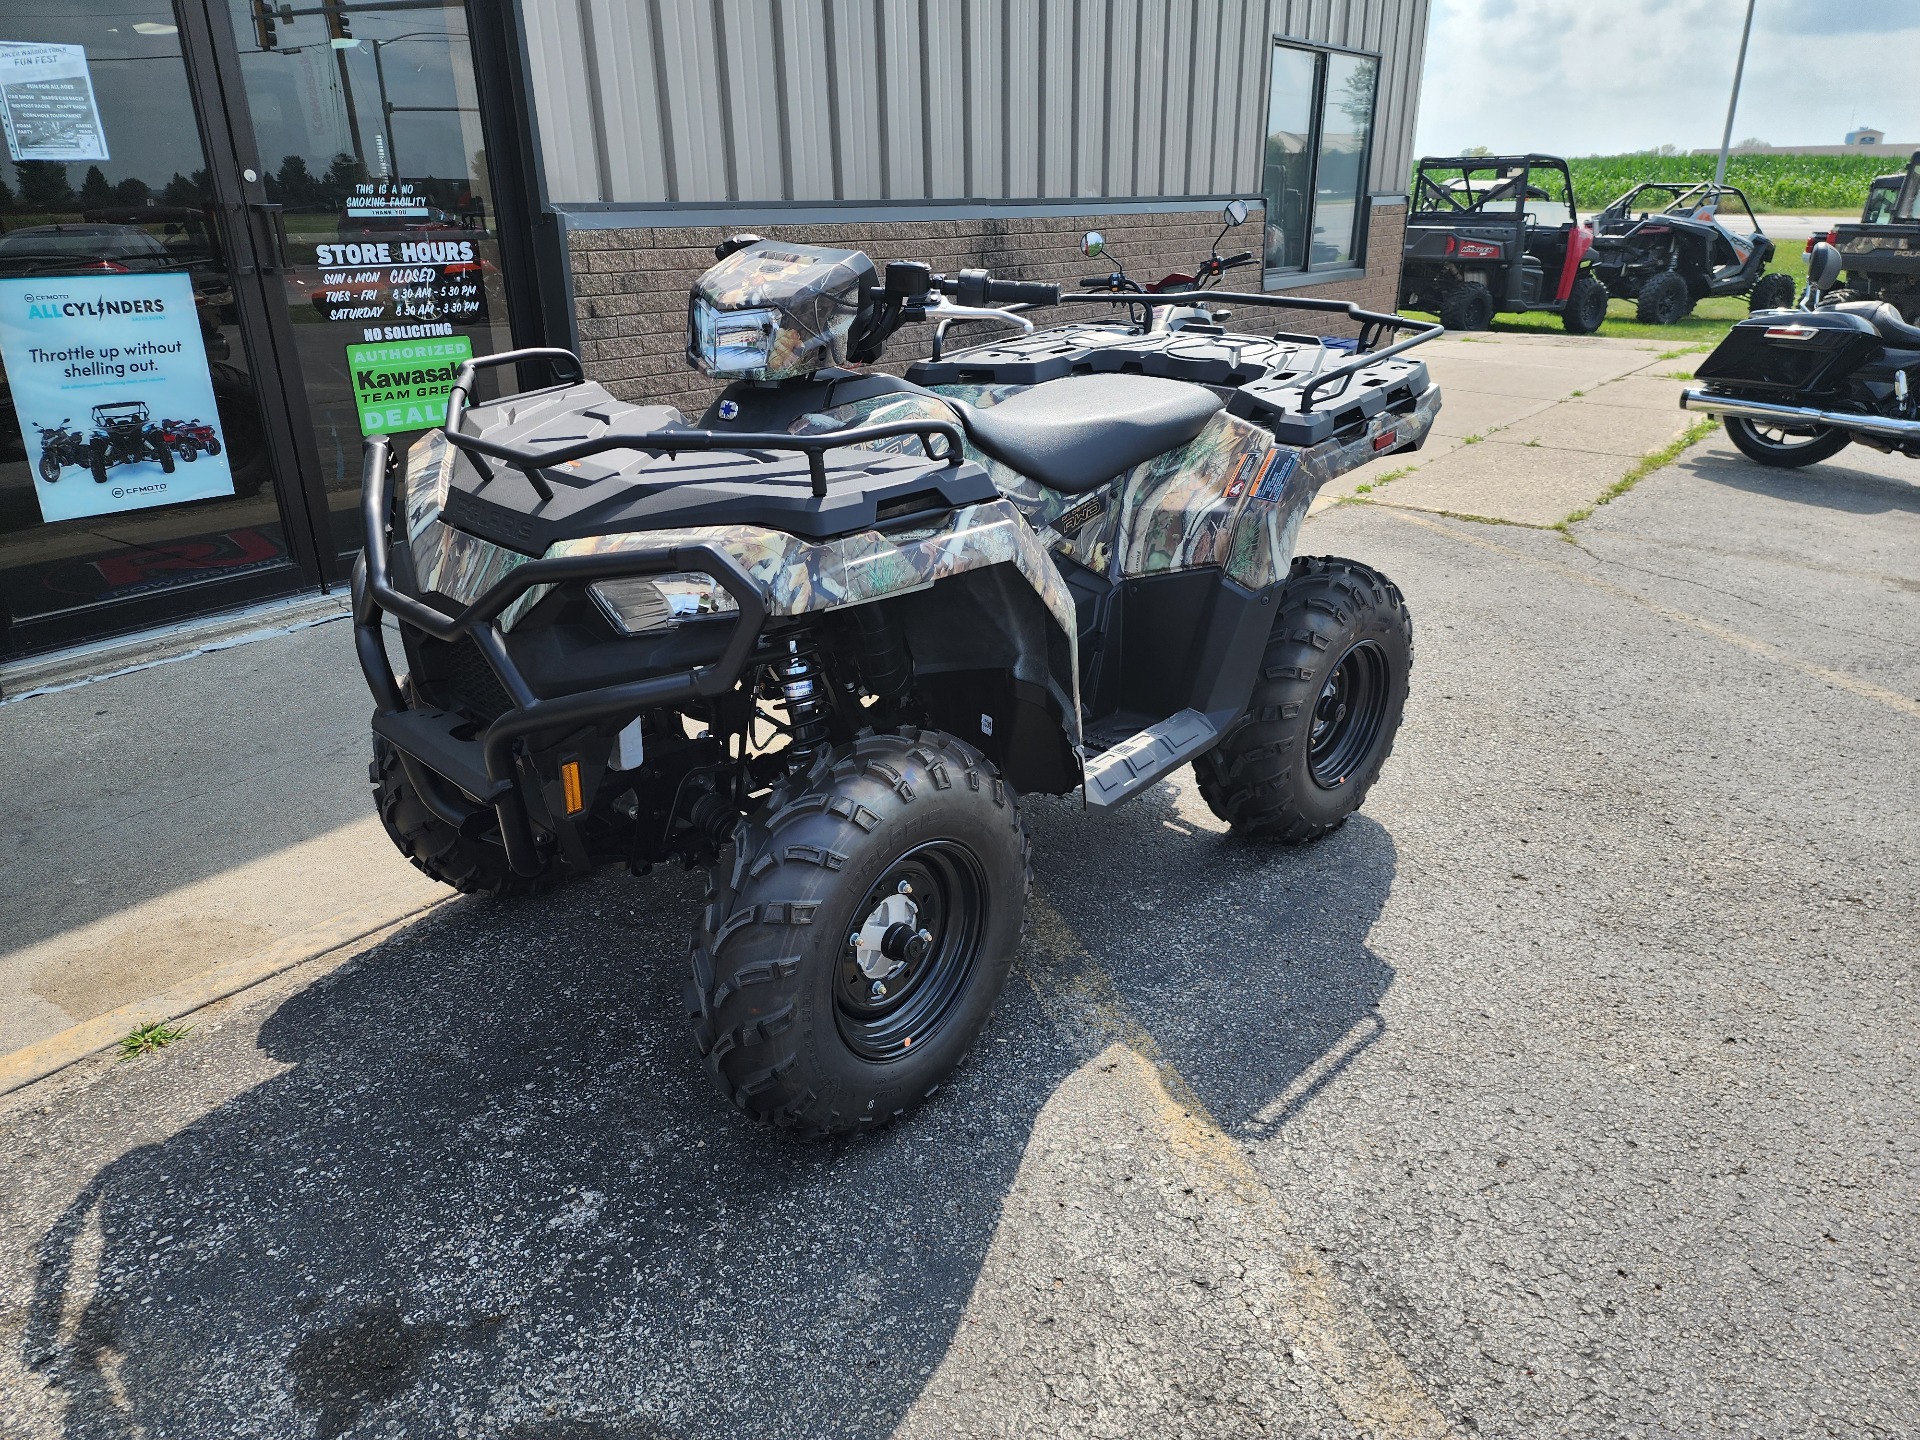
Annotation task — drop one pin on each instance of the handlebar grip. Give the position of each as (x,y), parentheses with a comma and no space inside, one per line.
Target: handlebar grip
(1021,292)
(1101,280)
(1241,259)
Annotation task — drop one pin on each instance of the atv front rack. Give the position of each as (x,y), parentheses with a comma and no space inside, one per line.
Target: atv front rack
(1372,324)
(670,442)
(493,779)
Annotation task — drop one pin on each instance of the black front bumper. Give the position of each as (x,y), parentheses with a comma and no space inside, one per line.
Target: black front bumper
(457,776)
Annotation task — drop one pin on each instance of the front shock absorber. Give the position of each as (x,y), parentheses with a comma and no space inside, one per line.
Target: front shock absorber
(803,685)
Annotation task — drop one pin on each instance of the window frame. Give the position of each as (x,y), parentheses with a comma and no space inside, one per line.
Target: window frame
(1279,278)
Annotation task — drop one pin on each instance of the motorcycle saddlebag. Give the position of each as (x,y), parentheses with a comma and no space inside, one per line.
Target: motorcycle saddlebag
(1791,351)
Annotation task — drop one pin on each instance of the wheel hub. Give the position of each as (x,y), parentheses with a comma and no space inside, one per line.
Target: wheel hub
(891,939)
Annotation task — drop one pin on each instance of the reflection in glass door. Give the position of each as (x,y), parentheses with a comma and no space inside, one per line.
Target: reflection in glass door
(135,477)
(368,128)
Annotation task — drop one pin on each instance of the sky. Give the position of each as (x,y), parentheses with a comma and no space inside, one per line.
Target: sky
(1587,77)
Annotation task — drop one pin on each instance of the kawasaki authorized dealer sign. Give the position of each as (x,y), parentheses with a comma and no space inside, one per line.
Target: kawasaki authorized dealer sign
(403,384)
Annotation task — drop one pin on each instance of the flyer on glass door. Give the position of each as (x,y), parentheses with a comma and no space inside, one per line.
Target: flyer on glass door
(111,388)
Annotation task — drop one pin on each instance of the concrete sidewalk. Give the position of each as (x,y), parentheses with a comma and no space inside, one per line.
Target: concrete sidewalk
(172,833)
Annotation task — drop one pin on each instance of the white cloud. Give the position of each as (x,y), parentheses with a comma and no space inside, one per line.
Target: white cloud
(1575,77)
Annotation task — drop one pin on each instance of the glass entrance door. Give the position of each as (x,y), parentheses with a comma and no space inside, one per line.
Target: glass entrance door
(138,474)
(368,129)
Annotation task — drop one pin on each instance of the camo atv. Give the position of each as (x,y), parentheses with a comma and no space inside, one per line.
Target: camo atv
(824,640)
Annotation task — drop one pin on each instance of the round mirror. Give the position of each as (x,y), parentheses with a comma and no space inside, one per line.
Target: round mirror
(1236,212)
(1093,243)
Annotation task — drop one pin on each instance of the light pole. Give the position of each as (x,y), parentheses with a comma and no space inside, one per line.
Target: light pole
(1739,68)
(387,107)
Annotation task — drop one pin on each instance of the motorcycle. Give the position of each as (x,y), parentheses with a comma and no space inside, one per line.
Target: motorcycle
(1794,387)
(59,448)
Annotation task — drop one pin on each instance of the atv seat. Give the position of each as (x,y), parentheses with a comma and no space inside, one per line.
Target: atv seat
(1077,433)
(1882,316)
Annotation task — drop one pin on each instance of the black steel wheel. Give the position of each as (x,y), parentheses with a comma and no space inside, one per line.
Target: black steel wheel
(1785,447)
(859,928)
(1349,714)
(928,956)
(1323,714)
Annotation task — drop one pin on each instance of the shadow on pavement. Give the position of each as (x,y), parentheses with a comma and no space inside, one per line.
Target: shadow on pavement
(1831,484)
(495,1195)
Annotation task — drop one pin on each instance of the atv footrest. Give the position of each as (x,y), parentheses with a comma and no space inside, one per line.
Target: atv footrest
(431,737)
(1136,762)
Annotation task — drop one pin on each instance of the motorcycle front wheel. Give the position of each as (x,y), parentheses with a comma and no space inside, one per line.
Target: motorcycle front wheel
(1785,447)
(49,469)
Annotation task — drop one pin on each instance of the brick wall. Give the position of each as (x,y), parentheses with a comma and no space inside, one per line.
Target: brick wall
(630,286)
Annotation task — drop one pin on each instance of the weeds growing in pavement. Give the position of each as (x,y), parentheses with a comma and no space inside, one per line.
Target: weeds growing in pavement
(154,1035)
(1648,463)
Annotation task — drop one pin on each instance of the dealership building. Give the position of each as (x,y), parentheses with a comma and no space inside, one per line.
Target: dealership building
(240,236)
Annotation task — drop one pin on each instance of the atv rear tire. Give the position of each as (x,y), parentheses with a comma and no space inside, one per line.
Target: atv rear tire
(1324,711)
(1664,299)
(1770,292)
(1468,306)
(1586,309)
(791,1026)
(470,865)
(1784,450)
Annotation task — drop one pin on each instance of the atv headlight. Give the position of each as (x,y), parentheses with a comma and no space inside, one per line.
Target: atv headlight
(733,342)
(648,604)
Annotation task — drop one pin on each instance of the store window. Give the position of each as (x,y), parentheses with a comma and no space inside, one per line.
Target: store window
(1320,106)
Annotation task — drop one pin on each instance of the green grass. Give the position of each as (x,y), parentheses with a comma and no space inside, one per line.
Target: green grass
(1648,463)
(1386,479)
(154,1035)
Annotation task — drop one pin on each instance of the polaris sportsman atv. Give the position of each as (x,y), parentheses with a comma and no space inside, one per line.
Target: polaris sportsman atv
(1797,386)
(1881,253)
(822,641)
(1677,250)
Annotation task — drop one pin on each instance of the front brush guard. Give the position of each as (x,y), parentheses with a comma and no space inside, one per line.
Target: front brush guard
(375,596)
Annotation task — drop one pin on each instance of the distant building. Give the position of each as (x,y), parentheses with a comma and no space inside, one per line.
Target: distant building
(1865,136)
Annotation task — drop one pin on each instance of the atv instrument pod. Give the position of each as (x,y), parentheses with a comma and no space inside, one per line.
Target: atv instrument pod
(772,311)
(651,604)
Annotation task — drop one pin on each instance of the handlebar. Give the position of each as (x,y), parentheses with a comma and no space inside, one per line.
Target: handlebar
(978,287)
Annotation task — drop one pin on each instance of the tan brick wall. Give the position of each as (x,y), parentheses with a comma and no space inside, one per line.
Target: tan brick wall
(630,286)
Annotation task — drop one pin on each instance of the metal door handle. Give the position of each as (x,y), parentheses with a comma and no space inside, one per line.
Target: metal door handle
(273,244)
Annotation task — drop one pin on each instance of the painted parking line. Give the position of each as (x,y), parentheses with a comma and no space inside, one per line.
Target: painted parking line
(1325,1325)
(1839,679)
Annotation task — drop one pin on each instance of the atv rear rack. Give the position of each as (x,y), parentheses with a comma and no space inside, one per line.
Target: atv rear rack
(1372,324)
(670,442)
(490,776)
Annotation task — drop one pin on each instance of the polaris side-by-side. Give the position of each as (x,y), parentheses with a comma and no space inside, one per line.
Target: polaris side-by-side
(1798,386)
(824,639)
(1498,234)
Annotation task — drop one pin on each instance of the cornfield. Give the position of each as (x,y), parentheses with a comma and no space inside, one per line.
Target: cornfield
(1771,182)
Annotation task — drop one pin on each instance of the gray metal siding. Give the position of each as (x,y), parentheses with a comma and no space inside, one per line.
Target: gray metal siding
(644,102)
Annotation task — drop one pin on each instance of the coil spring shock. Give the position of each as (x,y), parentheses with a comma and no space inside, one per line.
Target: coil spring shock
(803,685)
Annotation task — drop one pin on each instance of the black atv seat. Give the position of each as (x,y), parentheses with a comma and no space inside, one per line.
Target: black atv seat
(1882,316)
(1077,433)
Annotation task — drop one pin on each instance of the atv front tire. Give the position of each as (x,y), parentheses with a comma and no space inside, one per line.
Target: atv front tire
(470,865)
(1586,309)
(792,1025)
(1325,709)
(1664,299)
(1770,292)
(1468,306)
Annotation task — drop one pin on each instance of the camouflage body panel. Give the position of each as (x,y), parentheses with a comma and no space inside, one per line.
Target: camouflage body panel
(447,561)
(815,293)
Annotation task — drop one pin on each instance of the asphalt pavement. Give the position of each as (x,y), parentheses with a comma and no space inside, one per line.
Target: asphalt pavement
(1567,1090)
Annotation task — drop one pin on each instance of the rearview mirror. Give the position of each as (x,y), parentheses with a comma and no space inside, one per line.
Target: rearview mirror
(1093,243)
(1235,213)
(1824,266)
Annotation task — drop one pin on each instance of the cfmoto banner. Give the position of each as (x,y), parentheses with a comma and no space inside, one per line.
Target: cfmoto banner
(110,384)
